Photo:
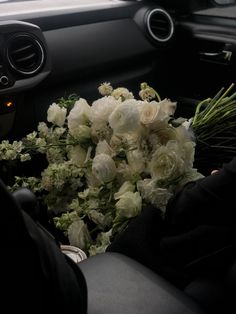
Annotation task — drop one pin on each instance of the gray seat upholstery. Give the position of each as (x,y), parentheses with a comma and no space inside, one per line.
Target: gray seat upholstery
(118,285)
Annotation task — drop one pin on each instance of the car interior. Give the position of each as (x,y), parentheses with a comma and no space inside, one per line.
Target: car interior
(185,49)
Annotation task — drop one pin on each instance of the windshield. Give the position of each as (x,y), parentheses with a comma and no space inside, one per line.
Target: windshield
(58,2)
(11,7)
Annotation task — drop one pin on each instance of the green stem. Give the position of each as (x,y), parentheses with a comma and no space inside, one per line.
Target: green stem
(157,96)
(218,101)
(203,102)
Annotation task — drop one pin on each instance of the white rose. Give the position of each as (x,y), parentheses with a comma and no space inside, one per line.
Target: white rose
(154,112)
(104,168)
(129,205)
(56,114)
(125,117)
(167,162)
(149,112)
(79,114)
(127,186)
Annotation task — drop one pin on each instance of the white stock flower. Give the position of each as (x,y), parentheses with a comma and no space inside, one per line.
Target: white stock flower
(56,114)
(104,168)
(25,157)
(43,128)
(79,114)
(42,145)
(129,205)
(125,117)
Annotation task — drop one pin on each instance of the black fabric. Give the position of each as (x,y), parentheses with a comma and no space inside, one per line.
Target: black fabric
(35,276)
(197,235)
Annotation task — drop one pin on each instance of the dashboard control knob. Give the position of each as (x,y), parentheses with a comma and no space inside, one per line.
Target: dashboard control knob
(4,80)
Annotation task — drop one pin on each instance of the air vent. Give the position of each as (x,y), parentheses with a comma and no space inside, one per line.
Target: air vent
(160,25)
(25,54)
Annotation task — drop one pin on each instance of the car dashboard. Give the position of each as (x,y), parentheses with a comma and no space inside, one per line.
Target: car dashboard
(73,47)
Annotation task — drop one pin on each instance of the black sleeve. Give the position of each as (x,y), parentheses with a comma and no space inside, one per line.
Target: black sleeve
(208,201)
(35,275)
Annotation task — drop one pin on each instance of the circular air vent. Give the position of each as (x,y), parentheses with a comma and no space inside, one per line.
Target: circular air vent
(160,25)
(25,54)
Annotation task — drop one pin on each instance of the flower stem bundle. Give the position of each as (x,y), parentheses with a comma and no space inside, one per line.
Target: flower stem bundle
(214,126)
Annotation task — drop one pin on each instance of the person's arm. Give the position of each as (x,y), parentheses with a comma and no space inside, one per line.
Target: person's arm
(209,200)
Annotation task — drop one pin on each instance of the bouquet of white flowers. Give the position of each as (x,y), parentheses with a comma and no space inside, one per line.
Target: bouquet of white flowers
(105,161)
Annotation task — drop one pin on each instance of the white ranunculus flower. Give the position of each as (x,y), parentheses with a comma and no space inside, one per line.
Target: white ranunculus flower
(102,108)
(77,155)
(56,114)
(183,135)
(78,234)
(168,106)
(104,168)
(167,162)
(127,186)
(104,148)
(129,205)
(153,194)
(125,117)
(79,114)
